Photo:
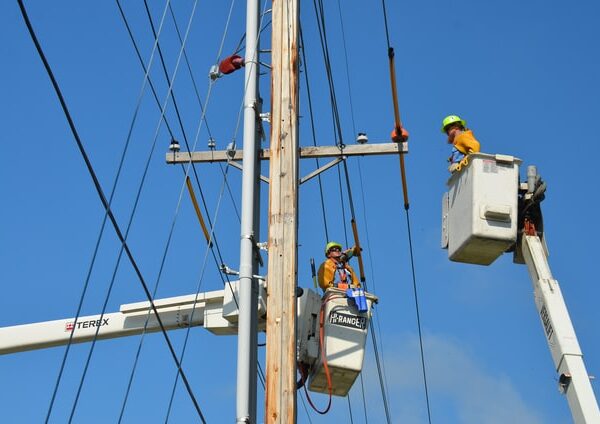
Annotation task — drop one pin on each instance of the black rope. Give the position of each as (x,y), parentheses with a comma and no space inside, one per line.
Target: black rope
(103,199)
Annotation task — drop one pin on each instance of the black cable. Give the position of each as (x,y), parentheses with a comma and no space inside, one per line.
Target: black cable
(414,280)
(178,114)
(387,32)
(347,68)
(321,26)
(362,389)
(412,263)
(320,14)
(139,56)
(350,409)
(103,198)
(191,73)
(187,62)
(126,23)
(314,137)
(380,374)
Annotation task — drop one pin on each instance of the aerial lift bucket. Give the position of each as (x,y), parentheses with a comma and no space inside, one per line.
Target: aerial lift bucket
(344,338)
(480,209)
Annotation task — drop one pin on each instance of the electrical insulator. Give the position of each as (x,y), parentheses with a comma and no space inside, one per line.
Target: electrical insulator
(362,138)
(174,146)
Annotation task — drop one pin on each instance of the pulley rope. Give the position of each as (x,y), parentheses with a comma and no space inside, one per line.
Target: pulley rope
(103,197)
(406,204)
(321,26)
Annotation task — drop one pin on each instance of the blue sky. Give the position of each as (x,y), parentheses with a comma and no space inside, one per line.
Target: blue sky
(523,74)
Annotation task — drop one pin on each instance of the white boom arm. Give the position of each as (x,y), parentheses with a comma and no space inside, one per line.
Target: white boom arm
(574,380)
(216,311)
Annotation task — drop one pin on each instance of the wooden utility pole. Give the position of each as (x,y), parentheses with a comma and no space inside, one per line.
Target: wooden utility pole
(283,217)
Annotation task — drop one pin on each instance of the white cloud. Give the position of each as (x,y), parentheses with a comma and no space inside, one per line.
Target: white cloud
(461,390)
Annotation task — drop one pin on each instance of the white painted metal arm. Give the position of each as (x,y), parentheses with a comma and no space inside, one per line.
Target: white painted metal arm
(216,311)
(574,380)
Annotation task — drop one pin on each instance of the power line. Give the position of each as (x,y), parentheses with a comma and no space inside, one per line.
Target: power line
(103,199)
(314,137)
(335,112)
(414,281)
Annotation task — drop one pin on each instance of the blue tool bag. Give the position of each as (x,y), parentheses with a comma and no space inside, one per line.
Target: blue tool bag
(359,298)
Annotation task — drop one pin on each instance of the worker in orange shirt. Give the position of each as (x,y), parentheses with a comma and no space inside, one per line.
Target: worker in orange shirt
(335,271)
(461,138)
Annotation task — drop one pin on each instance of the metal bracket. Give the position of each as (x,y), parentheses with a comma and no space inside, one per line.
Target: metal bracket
(321,169)
(239,166)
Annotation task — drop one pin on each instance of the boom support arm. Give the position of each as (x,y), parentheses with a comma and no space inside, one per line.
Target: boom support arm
(216,311)
(573,378)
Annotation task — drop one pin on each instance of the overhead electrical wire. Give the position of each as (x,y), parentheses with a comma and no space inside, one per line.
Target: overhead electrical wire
(319,11)
(397,124)
(104,201)
(359,160)
(120,255)
(111,285)
(260,372)
(313,132)
(365,220)
(196,92)
(228,283)
(92,263)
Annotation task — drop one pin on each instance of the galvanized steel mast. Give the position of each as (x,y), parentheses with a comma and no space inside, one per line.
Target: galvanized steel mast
(248,286)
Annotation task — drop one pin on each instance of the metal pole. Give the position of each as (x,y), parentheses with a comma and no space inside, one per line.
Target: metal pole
(247,336)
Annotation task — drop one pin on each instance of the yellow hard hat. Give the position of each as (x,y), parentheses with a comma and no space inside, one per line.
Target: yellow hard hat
(330,245)
(451,119)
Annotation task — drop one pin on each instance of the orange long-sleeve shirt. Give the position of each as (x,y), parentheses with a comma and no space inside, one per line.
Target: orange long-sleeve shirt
(328,275)
(466,143)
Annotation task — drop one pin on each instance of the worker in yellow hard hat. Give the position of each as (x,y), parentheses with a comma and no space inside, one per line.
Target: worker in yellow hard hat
(461,138)
(335,271)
